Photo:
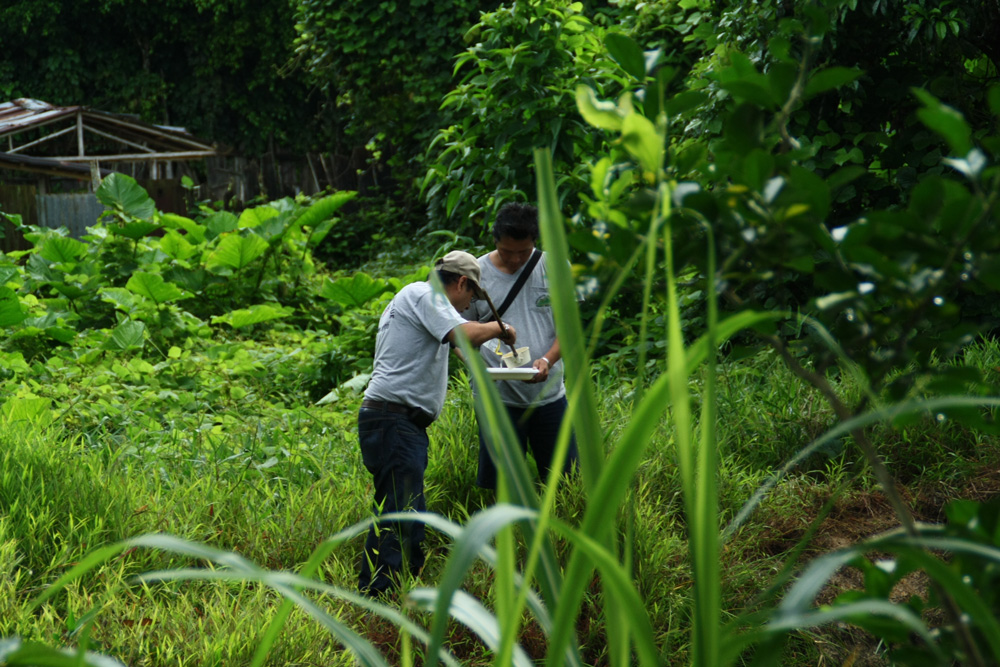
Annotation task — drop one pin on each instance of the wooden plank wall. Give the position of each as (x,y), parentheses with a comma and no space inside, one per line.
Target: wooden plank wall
(19,199)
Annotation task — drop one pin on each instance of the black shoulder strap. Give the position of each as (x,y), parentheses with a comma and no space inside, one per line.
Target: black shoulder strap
(528,268)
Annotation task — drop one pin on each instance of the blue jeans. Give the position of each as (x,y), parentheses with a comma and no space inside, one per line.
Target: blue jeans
(394,451)
(537,430)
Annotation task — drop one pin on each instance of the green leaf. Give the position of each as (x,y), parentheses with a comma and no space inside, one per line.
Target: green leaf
(120,298)
(322,210)
(219,223)
(62,250)
(627,53)
(237,252)
(178,247)
(27,410)
(682,102)
(10,308)
(354,291)
(193,229)
(252,217)
(123,194)
(829,78)
(750,92)
(154,287)
(946,121)
(7,273)
(600,114)
(135,229)
(643,142)
(128,335)
(320,232)
(262,312)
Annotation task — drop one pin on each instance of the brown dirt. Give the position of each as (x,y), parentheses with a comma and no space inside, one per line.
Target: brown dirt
(862,516)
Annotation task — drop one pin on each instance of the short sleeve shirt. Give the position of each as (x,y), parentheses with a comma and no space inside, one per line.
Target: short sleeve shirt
(411,354)
(531,315)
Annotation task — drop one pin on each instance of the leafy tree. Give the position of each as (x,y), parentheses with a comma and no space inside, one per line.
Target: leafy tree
(385,67)
(213,66)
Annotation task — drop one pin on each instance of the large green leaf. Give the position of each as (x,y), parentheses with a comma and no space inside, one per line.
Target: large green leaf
(10,308)
(829,78)
(135,229)
(601,114)
(123,194)
(120,298)
(128,335)
(626,53)
(154,287)
(354,291)
(193,229)
(643,142)
(7,272)
(175,245)
(252,217)
(273,229)
(946,121)
(237,252)
(324,208)
(261,312)
(219,223)
(62,250)
(27,410)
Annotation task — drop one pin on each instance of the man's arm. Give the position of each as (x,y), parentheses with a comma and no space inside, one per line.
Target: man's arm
(545,362)
(480,332)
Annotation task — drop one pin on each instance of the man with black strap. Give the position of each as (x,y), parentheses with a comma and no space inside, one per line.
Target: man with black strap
(405,394)
(536,406)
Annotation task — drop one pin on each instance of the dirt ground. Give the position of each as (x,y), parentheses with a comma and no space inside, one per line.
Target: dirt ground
(863,516)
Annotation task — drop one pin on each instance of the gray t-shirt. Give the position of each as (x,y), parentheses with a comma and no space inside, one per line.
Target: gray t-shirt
(411,354)
(531,315)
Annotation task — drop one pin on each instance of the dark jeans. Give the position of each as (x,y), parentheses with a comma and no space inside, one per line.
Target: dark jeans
(537,430)
(394,450)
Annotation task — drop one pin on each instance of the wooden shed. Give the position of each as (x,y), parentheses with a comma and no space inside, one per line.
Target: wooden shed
(51,157)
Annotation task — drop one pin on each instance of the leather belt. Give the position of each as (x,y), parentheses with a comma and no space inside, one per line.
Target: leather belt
(415,415)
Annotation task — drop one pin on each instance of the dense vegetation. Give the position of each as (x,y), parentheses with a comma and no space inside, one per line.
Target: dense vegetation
(788,246)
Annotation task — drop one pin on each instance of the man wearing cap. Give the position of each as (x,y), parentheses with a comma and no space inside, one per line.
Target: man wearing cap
(405,394)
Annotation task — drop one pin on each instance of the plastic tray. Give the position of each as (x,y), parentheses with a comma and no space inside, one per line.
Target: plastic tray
(512,373)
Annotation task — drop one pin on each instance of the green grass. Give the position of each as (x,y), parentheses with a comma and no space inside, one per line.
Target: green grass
(60,499)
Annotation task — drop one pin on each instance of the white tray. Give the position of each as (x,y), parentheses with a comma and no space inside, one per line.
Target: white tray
(512,373)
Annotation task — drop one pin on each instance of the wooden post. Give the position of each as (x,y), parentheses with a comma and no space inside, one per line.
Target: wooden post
(79,134)
(95,175)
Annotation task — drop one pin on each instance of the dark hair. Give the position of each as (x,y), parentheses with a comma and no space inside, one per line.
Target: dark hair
(517,221)
(447,277)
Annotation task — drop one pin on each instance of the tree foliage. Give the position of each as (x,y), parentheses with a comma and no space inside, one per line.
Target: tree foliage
(385,65)
(212,66)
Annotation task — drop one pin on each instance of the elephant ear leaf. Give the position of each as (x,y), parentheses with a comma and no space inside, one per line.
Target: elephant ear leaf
(123,195)
(135,229)
(236,252)
(129,335)
(62,250)
(262,312)
(10,308)
(155,288)
(27,410)
(355,291)
(324,208)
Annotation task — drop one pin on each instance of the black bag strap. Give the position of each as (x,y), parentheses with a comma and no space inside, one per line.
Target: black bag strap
(521,279)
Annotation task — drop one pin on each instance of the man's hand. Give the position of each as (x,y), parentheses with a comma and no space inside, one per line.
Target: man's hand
(480,332)
(542,366)
(508,334)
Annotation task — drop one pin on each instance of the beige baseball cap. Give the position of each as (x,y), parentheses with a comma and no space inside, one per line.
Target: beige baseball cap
(463,264)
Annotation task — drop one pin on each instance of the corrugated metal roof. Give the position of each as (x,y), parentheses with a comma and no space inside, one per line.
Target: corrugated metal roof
(25,112)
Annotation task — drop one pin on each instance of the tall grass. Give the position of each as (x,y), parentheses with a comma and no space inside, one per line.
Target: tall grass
(83,562)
